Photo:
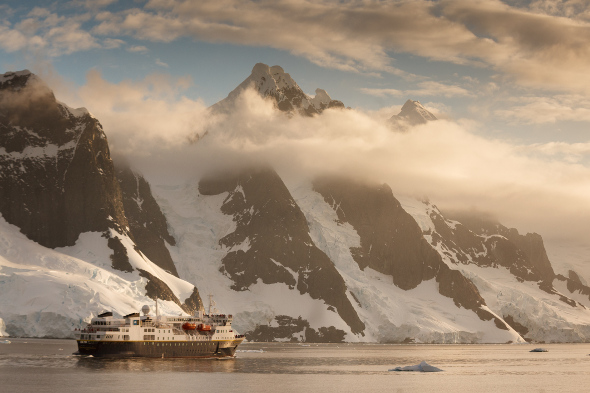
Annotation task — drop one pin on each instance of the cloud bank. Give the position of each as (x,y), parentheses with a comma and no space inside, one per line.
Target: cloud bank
(534,187)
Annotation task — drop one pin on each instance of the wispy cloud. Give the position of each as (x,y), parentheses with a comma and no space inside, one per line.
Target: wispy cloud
(137,49)
(112,43)
(50,32)
(425,89)
(539,110)
(161,63)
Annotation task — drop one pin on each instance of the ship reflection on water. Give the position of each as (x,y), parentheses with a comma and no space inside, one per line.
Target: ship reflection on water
(158,365)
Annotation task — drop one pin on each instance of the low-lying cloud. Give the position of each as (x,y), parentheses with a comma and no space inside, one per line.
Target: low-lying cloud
(534,188)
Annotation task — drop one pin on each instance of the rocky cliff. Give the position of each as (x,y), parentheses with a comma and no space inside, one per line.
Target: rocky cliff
(59,188)
(56,175)
(271,241)
(391,242)
(147,224)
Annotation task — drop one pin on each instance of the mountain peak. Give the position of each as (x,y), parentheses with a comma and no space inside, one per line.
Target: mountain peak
(412,113)
(16,80)
(274,83)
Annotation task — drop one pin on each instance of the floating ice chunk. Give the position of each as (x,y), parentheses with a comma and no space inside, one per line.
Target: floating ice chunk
(250,350)
(423,367)
(3,328)
(539,350)
(4,341)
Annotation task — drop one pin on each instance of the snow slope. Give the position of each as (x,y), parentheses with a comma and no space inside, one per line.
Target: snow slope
(197,224)
(545,316)
(49,292)
(390,313)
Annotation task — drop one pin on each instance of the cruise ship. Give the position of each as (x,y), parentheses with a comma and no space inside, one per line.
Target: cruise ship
(134,335)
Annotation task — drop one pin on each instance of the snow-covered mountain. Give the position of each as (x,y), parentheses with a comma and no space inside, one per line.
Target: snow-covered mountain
(68,231)
(512,273)
(328,259)
(412,114)
(273,83)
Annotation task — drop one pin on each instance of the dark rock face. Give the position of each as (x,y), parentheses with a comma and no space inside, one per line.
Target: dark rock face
(147,223)
(392,242)
(157,289)
(271,241)
(521,329)
(467,239)
(57,179)
(120,259)
(574,284)
(524,255)
(295,330)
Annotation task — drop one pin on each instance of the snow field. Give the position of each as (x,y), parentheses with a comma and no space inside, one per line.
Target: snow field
(390,313)
(197,224)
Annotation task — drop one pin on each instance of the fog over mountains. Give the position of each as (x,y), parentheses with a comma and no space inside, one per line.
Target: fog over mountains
(320,256)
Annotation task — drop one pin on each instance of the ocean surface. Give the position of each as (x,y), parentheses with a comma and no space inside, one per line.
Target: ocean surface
(40,365)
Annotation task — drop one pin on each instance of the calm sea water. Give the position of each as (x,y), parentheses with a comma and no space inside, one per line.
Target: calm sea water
(37,365)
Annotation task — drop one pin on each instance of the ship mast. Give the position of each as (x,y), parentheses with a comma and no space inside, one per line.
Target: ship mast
(211,303)
(157,315)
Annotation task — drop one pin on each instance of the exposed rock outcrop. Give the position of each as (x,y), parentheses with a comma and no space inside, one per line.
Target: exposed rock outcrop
(391,242)
(271,242)
(147,223)
(524,255)
(57,179)
(294,330)
(158,289)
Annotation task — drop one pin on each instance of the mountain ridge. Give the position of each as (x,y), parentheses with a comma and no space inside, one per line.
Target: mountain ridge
(329,260)
(277,85)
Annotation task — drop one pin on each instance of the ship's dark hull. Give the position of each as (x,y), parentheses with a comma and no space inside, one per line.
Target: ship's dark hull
(156,349)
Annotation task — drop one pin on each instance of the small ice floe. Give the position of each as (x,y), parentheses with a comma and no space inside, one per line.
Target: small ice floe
(539,350)
(4,341)
(423,367)
(250,350)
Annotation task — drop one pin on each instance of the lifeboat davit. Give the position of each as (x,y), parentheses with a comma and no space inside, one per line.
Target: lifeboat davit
(189,326)
(203,327)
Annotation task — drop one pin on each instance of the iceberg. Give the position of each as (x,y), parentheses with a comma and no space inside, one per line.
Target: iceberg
(423,367)
(3,328)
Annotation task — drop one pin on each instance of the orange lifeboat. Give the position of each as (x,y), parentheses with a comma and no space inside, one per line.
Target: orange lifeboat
(204,328)
(189,326)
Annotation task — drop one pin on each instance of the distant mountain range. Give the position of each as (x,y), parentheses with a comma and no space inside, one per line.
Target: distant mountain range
(329,260)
